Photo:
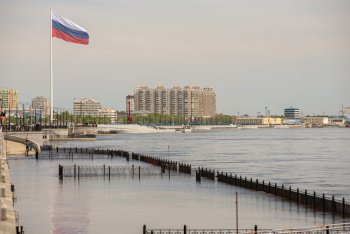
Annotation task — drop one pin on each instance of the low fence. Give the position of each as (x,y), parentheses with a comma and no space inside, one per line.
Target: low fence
(49,152)
(322,229)
(309,199)
(106,171)
(313,200)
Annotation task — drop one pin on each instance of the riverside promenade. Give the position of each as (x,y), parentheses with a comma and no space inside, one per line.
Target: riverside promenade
(7,212)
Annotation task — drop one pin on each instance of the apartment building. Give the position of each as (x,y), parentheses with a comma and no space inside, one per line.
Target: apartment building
(42,105)
(189,101)
(9,98)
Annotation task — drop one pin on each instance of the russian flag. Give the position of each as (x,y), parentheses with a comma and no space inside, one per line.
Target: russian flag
(67,30)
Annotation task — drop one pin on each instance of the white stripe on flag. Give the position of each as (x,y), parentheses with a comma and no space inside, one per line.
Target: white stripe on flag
(66,22)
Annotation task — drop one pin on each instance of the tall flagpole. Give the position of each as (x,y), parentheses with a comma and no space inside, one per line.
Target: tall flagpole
(51,72)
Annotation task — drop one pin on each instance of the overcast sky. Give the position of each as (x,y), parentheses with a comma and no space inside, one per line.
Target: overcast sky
(255,53)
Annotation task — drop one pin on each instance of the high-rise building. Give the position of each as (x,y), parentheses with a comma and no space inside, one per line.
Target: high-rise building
(161,104)
(209,101)
(292,113)
(144,100)
(86,106)
(42,105)
(190,101)
(9,98)
(175,100)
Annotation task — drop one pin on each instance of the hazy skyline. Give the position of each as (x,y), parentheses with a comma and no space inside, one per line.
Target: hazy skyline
(254,53)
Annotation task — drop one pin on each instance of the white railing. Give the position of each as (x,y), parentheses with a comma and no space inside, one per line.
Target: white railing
(328,228)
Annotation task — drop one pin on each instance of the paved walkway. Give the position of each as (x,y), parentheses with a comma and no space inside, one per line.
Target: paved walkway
(8,220)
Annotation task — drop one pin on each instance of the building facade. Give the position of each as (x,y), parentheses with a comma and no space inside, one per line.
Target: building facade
(42,105)
(258,121)
(292,113)
(209,101)
(108,113)
(189,101)
(315,120)
(86,106)
(9,99)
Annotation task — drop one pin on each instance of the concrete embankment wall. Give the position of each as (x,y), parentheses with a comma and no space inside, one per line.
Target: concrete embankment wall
(7,212)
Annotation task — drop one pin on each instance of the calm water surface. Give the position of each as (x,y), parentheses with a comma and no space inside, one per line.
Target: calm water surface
(313,159)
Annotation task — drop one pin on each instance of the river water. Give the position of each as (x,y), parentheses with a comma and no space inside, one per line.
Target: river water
(313,159)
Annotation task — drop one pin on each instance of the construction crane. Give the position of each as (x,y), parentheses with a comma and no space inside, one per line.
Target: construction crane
(129,112)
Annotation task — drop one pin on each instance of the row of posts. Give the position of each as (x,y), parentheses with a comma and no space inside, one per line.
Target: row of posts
(321,203)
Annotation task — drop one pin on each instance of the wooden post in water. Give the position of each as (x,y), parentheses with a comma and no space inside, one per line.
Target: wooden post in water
(314,200)
(139,173)
(343,206)
(255,229)
(198,175)
(78,172)
(109,172)
(185,229)
(263,186)
(60,171)
(298,195)
(133,171)
(104,171)
(236,213)
(323,202)
(305,197)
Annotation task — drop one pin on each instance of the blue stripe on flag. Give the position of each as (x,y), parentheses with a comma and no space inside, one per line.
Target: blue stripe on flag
(69,31)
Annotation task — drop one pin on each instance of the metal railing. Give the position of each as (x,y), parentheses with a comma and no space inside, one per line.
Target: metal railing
(105,170)
(322,229)
(329,228)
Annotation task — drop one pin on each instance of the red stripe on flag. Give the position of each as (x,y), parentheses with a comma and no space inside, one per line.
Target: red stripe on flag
(65,37)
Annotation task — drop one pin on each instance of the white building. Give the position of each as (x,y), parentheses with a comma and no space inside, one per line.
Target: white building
(315,120)
(108,113)
(86,106)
